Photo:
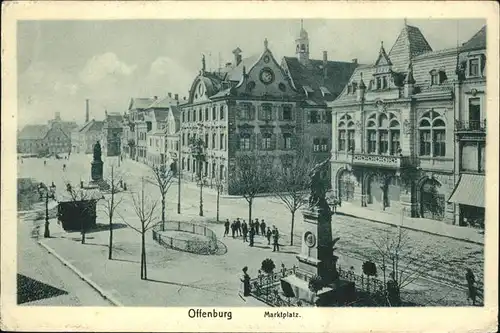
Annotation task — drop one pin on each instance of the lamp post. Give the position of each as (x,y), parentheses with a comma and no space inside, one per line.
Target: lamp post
(197,150)
(176,158)
(47,192)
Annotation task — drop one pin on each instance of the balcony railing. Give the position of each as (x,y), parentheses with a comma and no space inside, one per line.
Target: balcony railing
(470,125)
(361,159)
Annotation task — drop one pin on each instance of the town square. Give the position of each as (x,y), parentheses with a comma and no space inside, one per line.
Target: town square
(266,169)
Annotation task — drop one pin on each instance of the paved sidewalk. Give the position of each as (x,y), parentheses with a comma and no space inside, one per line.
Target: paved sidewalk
(418,224)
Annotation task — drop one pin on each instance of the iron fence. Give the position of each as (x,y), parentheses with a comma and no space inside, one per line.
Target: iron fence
(198,246)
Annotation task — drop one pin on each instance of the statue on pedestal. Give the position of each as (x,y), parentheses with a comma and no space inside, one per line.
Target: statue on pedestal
(97,164)
(318,185)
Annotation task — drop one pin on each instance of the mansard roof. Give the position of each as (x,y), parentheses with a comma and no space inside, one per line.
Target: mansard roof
(477,42)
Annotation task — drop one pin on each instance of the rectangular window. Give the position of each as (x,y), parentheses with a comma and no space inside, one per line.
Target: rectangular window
(379,83)
(189,164)
(267,112)
(200,115)
(425,143)
(245,142)
(287,112)
(350,141)
(266,141)
(205,171)
(206,141)
(183,116)
(214,167)
(474,113)
(383,142)
(313,117)
(372,142)
(287,141)
(328,116)
(439,143)
(434,78)
(222,143)
(474,67)
(194,115)
(324,144)
(315,144)
(342,140)
(221,112)
(395,144)
(221,173)
(206,114)
(245,111)
(384,82)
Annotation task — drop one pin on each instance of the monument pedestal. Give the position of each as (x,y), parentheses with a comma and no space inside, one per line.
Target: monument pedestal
(317,259)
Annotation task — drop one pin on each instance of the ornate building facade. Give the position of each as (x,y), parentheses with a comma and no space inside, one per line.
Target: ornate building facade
(393,130)
(259,104)
(470,132)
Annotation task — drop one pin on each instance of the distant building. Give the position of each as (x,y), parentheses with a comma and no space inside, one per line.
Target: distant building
(111,134)
(393,131)
(84,139)
(470,132)
(133,141)
(55,137)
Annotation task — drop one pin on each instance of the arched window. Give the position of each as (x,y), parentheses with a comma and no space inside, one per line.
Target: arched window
(383,134)
(346,132)
(395,142)
(432,137)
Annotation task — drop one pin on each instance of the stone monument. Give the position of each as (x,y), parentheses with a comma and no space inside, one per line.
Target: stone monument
(97,164)
(316,258)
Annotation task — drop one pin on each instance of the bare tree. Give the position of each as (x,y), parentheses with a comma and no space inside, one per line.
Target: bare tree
(111,203)
(144,208)
(402,261)
(289,184)
(163,177)
(251,176)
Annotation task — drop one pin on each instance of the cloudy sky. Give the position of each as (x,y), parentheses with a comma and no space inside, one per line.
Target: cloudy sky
(61,63)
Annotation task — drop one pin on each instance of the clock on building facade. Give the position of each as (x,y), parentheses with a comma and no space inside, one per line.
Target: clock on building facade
(266,75)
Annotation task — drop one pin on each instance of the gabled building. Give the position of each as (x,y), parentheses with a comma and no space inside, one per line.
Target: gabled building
(393,131)
(470,132)
(133,143)
(84,139)
(259,104)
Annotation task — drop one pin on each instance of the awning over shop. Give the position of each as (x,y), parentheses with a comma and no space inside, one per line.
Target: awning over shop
(469,191)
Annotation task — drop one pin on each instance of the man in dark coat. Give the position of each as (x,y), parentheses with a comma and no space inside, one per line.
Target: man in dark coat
(268,235)
(263,227)
(471,280)
(244,229)
(276,236)
(226,228)
(238,227)
(256,225)
(233,228)
(252,235)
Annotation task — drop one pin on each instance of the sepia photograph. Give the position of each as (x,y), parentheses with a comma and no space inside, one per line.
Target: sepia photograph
(293,162)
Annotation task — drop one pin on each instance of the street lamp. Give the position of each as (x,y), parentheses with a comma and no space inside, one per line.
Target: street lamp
(47,192)
(176,158)
(197,148)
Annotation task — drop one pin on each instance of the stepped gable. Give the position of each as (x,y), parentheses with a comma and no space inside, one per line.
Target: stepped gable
(410,43)
(477,42)
(312,76)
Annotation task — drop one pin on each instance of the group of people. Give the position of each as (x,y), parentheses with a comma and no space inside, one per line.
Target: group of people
(249,230)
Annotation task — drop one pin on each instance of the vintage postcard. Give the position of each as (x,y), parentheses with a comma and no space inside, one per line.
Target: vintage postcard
(246,166)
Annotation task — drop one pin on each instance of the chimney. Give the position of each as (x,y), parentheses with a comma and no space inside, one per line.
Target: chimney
(170,95)
(86,111)
(325,62)
(355,61)
(155,97)
(238,59)
(176,96)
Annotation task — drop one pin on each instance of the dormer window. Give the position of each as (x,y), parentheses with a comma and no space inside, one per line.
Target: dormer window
(325,91)
(384,82)
(349,89)
(354,87)
(379,83)
(473,67)
(308,90)
(434,77)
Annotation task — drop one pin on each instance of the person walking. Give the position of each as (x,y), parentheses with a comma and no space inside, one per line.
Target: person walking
(252,235)
(257,225)
(64,167)
(276,246)
(263,227)
(268,235)
(471,280)
(245,279)
(244,229)
(226,228)
(44,163)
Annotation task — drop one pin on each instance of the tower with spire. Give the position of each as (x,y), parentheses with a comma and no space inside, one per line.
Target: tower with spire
(302,45)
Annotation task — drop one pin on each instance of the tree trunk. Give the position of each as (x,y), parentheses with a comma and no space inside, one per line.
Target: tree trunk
(163,211)
(144,254)
(291,229)
(110,248)
(250,210)
(218,194)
